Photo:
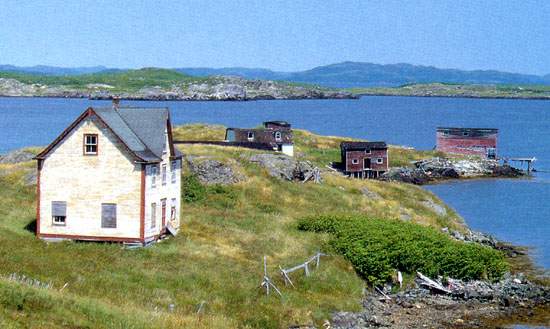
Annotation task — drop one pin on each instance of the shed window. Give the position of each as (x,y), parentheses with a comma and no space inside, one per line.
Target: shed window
(368,151)
(153,215)
(173,166)
(59,212)
(379,160)
(278,136)
(164,174)
(90,144)
(250,135)
(355,161)
(173,209)
(465,133)
(108,215)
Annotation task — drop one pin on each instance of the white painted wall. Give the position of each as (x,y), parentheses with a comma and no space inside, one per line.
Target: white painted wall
(288,149)
(85,182)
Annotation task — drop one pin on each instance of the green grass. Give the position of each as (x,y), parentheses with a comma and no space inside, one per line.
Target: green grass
(128,80)
(216,258)
(459,90)
(377,248)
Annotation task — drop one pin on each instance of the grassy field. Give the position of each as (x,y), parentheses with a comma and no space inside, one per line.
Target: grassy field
(460,90)
(130,80)
(217,258)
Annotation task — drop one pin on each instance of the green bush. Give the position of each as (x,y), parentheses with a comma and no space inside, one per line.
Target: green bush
(191,189)
(377,247)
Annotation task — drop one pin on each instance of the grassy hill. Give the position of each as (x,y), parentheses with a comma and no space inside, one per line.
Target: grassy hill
(217,257)
(460,90)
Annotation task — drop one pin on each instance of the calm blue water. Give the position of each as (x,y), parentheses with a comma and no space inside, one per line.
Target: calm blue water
(514,210)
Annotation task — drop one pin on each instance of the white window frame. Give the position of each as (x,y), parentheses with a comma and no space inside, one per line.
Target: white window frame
(173,170)
(89,143)
(59,220)
(173,209)
(163,173)
(354,161)
(278,136)
(368,151)
(250,135)
(379,160)
(153,174)
(153,215)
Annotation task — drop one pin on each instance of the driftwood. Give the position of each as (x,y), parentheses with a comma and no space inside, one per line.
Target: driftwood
(266,283)
(425,281)
(305,266)
(382,293)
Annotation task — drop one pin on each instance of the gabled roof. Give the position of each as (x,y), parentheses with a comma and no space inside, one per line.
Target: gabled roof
(141,130)
(350,146)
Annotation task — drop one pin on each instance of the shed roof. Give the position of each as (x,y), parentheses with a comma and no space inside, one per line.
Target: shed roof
(350,146)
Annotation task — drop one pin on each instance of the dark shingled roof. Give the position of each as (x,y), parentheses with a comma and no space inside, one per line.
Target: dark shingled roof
(350,146)
(140,129)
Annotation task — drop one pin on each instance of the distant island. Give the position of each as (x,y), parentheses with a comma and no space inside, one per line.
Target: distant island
(459,90)
(336,81)
(157,84)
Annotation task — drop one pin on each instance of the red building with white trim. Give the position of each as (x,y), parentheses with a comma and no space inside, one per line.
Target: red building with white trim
(364,159)
(468,141)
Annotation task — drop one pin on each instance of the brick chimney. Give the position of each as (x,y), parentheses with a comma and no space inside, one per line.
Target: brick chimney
(116,102)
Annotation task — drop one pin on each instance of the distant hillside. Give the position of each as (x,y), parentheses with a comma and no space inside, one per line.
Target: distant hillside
(155,84)
(340,75)
(54,70)
(355,74)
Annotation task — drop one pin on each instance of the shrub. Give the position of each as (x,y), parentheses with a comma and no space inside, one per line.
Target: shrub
(377,247)
(191,189)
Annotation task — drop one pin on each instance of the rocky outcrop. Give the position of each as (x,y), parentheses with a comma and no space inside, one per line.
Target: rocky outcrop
(284,167)
(435,169)
(470,304)
(16,156)
(216,88)
(211,172)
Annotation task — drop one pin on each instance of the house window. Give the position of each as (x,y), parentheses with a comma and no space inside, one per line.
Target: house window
(278,136)
(465,133)
(173,209)
(164,174)
(153,173)
(367,151)
(59,213)
(173,166)
(379,160)
(153,215)
(90,144)
(355,161)
(250,135)
(108,215)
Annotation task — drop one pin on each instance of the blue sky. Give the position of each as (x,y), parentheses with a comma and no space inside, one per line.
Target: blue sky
(281,35)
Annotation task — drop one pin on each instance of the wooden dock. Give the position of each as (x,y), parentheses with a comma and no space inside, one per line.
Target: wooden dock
(521,161)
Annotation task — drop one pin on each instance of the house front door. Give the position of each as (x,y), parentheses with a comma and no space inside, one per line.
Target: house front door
(163,207)
(366,163)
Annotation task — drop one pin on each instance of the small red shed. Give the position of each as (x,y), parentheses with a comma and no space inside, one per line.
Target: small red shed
(468,141)
(364,159)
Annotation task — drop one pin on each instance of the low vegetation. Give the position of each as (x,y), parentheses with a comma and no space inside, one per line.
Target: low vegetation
(459,90)
(377,248)
(217,257)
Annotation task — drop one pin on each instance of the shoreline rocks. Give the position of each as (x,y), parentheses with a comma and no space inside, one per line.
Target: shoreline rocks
(438,169)
(474,304)
(215,89)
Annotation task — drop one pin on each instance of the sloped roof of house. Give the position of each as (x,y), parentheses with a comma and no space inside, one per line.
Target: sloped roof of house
(349,146)
(141,130)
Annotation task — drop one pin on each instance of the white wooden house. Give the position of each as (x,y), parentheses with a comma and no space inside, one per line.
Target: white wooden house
(112,175)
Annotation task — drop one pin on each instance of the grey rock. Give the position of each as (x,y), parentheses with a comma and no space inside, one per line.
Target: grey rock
(212,172)
(437,208)
(370,194)
(17,156)
(284,167)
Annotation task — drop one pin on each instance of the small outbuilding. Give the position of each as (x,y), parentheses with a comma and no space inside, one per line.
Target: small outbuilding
(111,175)
(274,134)
(468,141)
(364,159)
